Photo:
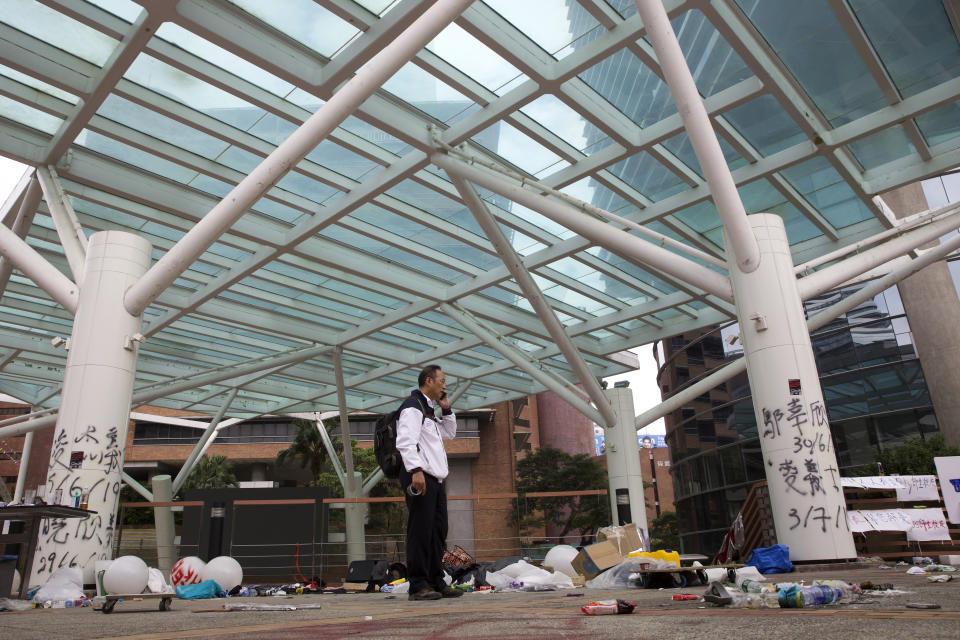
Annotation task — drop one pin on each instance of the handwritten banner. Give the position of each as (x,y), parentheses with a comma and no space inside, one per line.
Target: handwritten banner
(928,524)
(908,488)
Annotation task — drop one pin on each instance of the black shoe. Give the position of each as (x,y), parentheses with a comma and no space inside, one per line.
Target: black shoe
(450,592)
(425,594)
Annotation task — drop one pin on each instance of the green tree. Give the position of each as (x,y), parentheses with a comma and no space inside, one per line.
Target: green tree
(914,456)
(664,532)
(307,448)
(551,469)
(211,472)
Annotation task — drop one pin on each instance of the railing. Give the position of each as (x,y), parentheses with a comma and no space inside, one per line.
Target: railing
(759,531)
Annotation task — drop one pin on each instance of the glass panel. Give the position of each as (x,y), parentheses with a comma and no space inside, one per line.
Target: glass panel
(125,9)
(941,124)
(680,146)
(427,93)
(830,71)
(913,39)
(193,92)
(34,118)
(305,21)
(621,78)
(553,25)
(573,128)
(40,85)
(765,125)
(714,65)
(222,58)
(518,148)
(648,176)
(58,30)
(760,196)
(882,147)
(473,58)
(822,186)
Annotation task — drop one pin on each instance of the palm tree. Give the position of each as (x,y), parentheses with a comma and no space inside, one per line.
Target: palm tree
(211,472)
(307,447)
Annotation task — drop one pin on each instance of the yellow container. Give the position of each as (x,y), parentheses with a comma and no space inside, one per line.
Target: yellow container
(660,554)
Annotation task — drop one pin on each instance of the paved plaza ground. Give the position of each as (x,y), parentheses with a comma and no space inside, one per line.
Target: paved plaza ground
(506,616)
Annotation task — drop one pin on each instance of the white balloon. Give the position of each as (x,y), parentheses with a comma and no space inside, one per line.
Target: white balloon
(187,571)
(226,571)
(559,558)
(126,574)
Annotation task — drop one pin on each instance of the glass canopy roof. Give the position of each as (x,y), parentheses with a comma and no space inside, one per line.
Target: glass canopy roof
(819,106)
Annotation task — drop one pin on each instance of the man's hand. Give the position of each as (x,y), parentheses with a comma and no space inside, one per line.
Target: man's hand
(444,402)
(418,482)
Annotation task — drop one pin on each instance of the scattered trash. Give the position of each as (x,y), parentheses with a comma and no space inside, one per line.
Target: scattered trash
(368,617)
(389,597)
(921,560)
(685,596)
(247,606)
(939,578)
(915,571)
(11,604)
(869,586)
(930,568)
(607,607)
(884,566)
(572,595)
(922,605)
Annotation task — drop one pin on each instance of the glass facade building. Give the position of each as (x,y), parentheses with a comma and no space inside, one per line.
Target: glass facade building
(872,382)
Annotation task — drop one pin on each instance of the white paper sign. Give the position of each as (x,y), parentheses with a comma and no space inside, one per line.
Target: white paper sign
(928,524)
(948,468)
(858,523)
(872,482)
(913,488)
(890,519)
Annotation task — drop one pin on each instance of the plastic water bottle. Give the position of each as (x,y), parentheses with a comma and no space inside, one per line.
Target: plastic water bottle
(753,586)
(765,600)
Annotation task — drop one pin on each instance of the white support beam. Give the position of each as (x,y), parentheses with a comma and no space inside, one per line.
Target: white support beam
(701,133)
(349,487)
(291,151)
(536,299)
(462,386)
(136,486)
(72,238)
(34,266)
(522,362)
(201,445)
(606,235)
(814,322)
(829,277)
(10,209)
(22,218)
(331,451)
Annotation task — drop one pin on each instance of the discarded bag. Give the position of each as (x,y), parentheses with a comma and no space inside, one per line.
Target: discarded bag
(200,591)
(775,559)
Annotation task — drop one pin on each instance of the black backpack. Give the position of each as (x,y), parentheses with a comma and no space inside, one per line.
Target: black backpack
(385,442)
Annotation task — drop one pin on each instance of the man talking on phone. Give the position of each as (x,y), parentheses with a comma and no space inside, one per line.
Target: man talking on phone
(420,436)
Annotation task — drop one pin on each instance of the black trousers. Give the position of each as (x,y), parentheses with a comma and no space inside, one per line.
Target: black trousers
(426,533)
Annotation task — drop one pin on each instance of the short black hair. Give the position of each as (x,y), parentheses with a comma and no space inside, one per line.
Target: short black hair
(429,371)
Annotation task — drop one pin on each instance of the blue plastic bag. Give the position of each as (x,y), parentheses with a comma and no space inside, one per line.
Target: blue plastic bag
(200,591)
(775,559)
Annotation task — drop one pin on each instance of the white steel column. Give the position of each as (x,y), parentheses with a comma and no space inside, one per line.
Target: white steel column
(91,432)
(163,523)
(20,225)
(355,512)
(201,445)
(34,266)
(24,464)
(809,511)
(624,474)
(741,242)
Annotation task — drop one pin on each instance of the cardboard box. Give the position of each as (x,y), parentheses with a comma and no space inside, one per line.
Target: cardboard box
(626,538)
(355,587)
(951,559)
(595,558)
